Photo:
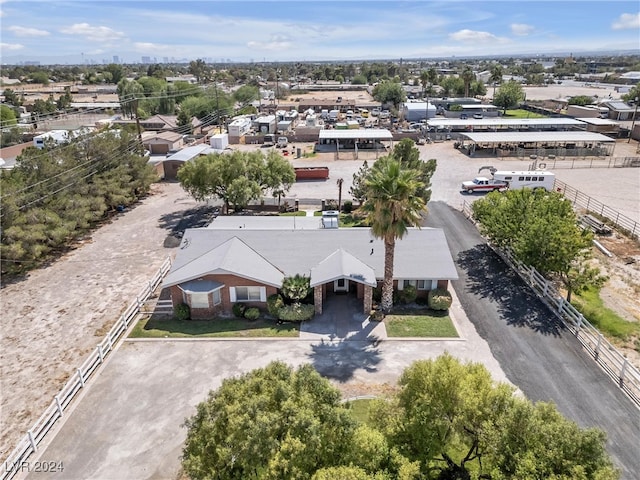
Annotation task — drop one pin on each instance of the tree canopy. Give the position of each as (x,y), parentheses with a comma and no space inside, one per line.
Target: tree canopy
(541,229)
(237,178)
(509,95)
(448,421)
(389,92)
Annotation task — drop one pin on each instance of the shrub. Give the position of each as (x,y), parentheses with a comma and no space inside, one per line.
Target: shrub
(238,309)
(439,299)
(408,294)
(296,288)
(376,315)
(297,312)
(274,304)
(252,313)
(182,312)
(377,294)
(347,206)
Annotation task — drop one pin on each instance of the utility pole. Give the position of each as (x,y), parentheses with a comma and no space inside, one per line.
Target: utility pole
(633,122)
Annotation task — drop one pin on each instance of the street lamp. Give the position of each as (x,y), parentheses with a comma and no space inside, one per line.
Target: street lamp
(633,122)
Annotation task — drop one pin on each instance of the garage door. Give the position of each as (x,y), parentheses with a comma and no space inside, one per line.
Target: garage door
(160,148)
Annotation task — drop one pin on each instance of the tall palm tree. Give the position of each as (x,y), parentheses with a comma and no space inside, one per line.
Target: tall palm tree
(339,183)
(496,77)
(392,207)
(467,76)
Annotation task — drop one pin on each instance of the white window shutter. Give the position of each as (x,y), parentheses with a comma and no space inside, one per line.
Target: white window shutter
(434,284)
(232,294)
(400,284)
(263,294)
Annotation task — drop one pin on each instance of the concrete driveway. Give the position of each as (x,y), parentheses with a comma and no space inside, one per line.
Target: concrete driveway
(128,423)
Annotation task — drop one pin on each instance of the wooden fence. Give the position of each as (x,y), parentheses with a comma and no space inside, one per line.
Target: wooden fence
(601,350)
(15,462)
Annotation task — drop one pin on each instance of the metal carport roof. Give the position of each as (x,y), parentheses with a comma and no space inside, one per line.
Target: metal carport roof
(356,134)
(534,137)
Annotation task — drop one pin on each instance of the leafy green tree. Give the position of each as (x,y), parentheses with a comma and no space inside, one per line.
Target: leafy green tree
(358,189)
(632,94)
(359,80)
(184,123)
(116,71)
(296,288)
(392,206)
(457,423)
(272,423)
(129,94)
(40,76)
(11,97)
(509,95)
(581,100)
(64,101)
(199,69)
(236,178)
(408,154)
(7,116)
(278,175)
(246,94)
(541,229)
(389,92)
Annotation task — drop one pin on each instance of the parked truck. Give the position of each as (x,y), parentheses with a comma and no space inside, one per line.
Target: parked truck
(503,180)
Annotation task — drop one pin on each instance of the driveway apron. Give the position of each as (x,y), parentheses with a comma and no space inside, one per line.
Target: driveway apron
(342,319)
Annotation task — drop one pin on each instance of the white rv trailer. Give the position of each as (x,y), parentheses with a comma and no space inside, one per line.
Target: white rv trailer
(526,179)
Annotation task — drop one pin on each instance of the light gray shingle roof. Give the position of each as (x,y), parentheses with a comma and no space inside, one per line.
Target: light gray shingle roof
(549,137)
(341,264)
(269,255)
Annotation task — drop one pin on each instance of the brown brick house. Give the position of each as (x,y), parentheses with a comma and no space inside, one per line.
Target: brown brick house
(245,259)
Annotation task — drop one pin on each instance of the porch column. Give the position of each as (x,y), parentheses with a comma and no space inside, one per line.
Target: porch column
(367,302)
(317,299)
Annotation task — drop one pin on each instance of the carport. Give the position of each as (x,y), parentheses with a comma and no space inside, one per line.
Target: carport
(368,139)
(540,144)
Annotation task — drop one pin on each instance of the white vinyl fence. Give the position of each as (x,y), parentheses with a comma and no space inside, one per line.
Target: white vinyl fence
(603,352)
(15,462)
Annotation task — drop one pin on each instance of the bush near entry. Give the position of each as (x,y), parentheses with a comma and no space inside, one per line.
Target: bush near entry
(439,299)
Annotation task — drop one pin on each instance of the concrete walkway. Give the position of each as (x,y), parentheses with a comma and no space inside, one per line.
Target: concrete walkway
(342,319)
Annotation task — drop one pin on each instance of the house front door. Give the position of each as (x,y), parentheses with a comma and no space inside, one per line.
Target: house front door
(341,285)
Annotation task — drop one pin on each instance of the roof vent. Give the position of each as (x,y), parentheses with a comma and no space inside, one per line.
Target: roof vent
(330,219)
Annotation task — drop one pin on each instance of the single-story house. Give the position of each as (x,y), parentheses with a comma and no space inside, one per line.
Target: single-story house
(172,163)
(160,123)
(216,267)
(163,142)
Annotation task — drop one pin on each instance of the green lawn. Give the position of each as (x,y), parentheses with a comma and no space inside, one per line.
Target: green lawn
(519,113)
(419,323)
(220,327)
(607,321)
(300,213)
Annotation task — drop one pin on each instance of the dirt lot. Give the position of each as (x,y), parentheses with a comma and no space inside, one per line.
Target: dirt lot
(54,317)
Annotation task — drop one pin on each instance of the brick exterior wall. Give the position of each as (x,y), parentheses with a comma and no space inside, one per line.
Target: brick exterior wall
(367,302)
(318,296)
(225,307)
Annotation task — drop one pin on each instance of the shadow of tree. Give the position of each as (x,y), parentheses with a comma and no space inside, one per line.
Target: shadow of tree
(340,360)
(488,277)
(178,222)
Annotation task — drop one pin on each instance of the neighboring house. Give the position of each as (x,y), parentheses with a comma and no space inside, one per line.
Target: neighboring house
(243,261)
(618,110)
(162,143)
(172,164)
(160,123)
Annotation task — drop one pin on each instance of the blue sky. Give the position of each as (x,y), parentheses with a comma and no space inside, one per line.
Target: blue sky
(68,31)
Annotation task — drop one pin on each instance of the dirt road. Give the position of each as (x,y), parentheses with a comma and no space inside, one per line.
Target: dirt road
(54,317)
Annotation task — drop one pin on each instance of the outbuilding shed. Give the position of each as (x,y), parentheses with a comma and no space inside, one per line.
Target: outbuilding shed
(369,139)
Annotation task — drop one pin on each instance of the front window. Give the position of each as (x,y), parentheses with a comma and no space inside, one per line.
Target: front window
(217,298)
(247,294)
(199,300)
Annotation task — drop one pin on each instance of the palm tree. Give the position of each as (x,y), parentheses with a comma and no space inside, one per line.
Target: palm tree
(392,207)
(467,76)
(496,77)
(339,183)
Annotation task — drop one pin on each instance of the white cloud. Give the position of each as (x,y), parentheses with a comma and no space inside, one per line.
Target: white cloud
(27,32)
(147,47)
(521,29)
(94,34)
(11,46)
(473,36)
(627,21)
(276,42)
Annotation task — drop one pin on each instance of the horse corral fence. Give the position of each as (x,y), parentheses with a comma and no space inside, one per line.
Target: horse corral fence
(36,434)
(614,363)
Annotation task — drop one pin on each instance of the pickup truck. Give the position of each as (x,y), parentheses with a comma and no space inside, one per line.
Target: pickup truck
(483,184)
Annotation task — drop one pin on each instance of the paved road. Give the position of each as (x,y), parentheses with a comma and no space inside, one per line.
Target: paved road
(536,353)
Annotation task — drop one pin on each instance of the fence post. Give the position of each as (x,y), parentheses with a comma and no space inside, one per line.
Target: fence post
(80,377)
(596,352)
(561,305)
(545,289)
(32,441)
(100,354)
(579,325)
(58,404)
(623,370)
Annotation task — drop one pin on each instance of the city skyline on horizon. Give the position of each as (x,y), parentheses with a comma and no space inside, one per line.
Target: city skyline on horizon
(79,31)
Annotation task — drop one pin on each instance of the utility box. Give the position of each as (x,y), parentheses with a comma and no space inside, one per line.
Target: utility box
(220,141)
